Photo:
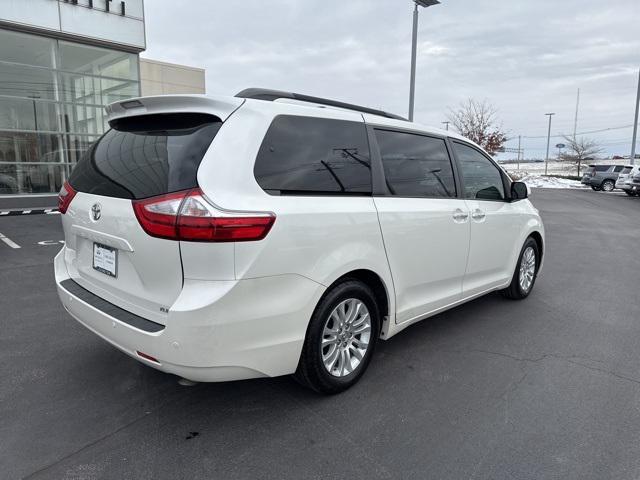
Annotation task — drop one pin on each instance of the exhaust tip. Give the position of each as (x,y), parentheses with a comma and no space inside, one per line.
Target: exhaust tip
(186,382)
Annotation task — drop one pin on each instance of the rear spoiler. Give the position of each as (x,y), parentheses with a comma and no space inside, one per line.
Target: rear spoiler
(220,106)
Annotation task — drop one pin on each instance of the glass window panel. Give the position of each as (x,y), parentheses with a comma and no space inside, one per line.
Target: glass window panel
(482,179)
(98,61)
(32,178)
(29,82)
(117,90)
(416,165)
(27,49)
(75,146)
(314,155)
(22,147)
(80,88)
(84,119)
(28,114)
(146,156)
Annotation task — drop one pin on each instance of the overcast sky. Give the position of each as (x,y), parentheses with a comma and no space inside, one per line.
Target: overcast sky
(526,57)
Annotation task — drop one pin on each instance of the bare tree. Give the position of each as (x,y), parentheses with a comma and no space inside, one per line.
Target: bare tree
(478,122)
(578,150)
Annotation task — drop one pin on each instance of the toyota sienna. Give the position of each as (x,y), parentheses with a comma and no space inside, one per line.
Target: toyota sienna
(271,233)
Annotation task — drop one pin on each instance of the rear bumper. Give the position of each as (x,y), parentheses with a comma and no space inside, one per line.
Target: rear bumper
(215,330)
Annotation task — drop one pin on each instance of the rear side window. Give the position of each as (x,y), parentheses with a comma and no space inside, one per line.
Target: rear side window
(306,155)
(146,156)
(482,179)
(416,165)
(618,168)
(626,170)
(602,168)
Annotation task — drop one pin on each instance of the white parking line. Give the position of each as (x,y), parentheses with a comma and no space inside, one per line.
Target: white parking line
(9,242)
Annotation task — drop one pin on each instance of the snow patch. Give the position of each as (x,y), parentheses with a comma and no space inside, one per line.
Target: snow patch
(539,181)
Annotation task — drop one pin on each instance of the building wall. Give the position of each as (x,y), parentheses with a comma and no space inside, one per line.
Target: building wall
(111,22)
(160,78)
(61,62)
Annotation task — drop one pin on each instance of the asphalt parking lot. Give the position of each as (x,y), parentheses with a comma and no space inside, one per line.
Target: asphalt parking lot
(544,388)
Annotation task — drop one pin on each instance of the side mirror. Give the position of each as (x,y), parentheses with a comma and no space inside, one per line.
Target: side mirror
(519,191)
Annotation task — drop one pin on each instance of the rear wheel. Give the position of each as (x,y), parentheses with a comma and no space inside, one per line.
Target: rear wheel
(608,185)
(525,273)
(631,193)
(341,338)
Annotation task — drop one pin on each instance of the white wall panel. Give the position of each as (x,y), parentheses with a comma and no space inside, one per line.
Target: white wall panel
(38,13)
(80,20)
(101,25)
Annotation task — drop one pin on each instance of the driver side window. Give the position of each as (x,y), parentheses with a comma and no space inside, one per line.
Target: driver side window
(482,179)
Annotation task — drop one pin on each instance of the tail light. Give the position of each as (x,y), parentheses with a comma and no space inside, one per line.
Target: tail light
(65,196)
(188,216)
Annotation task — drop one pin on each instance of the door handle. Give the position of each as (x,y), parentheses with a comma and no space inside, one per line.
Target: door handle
(459,215)
(478,214)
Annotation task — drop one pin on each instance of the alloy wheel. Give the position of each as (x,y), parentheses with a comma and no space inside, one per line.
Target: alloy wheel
(346,337)
(527,269)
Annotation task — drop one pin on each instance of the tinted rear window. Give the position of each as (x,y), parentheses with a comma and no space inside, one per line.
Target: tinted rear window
(146,156)
(306,155)
(602,168)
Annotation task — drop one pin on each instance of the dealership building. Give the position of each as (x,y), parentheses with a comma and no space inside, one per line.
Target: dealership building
(61,62)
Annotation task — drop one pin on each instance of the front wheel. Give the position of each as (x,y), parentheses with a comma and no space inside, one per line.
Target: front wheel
(631,193)
(526,271)
(341,338)
(595,189)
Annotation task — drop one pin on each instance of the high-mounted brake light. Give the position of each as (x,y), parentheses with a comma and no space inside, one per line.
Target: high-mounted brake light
(188,216)
(65,196)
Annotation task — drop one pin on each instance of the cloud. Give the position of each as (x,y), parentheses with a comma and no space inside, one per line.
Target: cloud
(526,57)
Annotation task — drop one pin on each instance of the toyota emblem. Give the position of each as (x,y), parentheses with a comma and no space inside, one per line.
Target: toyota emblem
(96,212)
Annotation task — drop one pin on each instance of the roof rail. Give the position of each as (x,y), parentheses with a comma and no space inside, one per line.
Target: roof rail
(271,95)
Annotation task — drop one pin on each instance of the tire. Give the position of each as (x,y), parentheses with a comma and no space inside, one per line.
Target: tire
(516,290)
(608,186)
(312,371)
(630,193)
(595,189)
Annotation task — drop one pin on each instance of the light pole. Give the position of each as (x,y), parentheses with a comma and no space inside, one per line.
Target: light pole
(635,126)
(546,162)
(446,124)
(414,46)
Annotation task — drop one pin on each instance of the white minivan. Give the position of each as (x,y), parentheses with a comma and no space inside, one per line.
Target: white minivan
(272,233)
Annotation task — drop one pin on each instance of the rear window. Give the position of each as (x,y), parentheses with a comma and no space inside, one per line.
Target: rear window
(146,156)
(602,168)
(626,170)
(314,156)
